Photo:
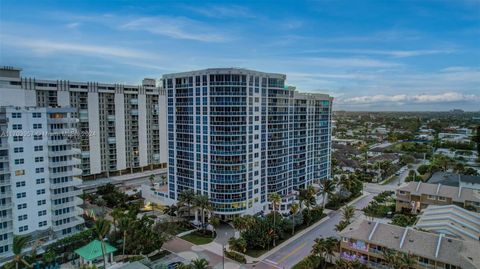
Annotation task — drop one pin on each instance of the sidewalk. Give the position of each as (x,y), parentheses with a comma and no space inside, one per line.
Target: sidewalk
(301,233)
(190,251)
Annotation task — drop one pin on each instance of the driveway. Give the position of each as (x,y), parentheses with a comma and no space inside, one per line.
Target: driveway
(224,232)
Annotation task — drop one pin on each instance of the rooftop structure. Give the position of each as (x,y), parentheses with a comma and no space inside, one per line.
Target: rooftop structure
(451,220)
(366,241)
(416,196)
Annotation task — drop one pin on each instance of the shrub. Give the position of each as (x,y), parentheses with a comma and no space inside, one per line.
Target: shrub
(236,256)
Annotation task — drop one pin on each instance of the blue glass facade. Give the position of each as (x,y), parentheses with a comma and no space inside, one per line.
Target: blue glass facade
(237,135)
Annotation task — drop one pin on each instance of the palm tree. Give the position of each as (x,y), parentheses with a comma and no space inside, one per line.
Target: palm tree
(101,229)
(348,212)
(324,247)
(116,214)
(151,178)
(391,259)
(327,187)
(124,224)
(200,264)
(19,243)
(170,210)
(203,202)
(294,210)
(307,197)
(187,197)
(407,260)
(275,199)
(240,223)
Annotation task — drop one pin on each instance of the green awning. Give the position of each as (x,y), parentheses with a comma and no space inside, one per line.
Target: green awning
(93,250)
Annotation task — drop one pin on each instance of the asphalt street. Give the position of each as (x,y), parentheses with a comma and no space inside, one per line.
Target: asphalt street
(292,253)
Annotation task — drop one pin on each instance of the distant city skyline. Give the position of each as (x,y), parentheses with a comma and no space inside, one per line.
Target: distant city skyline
(369,55)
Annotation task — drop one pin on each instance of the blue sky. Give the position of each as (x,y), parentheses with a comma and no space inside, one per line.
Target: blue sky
(370,55)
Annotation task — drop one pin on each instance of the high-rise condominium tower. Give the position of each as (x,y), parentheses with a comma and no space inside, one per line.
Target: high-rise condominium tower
(39,175)
(237,135)
(126,123)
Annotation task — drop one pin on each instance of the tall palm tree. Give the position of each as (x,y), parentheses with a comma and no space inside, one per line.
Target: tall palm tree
(348,212)
(294,210)
(391,259)
(101,228)
(327,187)
(325,247)
(307,197)
(275,199)
(124,224)
(116,214)
(19,243)
(187,197)
(200,264)
(202,202)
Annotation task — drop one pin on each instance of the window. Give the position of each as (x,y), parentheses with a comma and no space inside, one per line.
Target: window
(16,115)
(423,260)
(19,161)
(38,148)
(22,217)
(38,159)
(39,170)
(37,126)
(40,191)
(18,150)
(20,184)
(37,137)
(17,127)
(37,115)
(19,172)
(40,180)
(42,223)
(21,206)
(18,138)
(42,213)
(441,198)
(21,195)
(23,228)
(41,202)
(432,197)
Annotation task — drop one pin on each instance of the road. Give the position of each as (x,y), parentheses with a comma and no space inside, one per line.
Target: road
(292,253)
(392,185)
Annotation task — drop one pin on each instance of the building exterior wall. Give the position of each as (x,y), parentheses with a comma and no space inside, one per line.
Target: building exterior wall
(128,118)
(232,136)
(39,174)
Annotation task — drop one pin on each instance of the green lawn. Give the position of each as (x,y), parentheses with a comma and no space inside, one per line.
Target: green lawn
(198,238)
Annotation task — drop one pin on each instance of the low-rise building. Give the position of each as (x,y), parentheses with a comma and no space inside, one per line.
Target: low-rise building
(455,180)
(366,241)
(415,196)
(450,220)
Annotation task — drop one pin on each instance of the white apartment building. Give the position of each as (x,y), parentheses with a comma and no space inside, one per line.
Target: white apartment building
(39,175)
(123,126)
(237,135)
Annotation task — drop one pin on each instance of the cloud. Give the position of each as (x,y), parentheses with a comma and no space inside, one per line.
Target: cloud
(351,62)
(446,97)
(176,27)
(391,53)
(223,11)
(45,47)
(73,25)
